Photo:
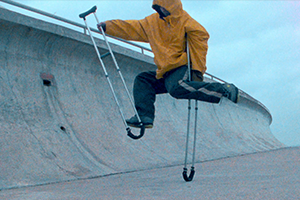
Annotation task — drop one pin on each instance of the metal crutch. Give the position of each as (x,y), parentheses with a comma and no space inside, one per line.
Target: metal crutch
(184,173)
(129,133)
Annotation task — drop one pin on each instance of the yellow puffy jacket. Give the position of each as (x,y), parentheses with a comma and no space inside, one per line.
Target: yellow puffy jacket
(167,37)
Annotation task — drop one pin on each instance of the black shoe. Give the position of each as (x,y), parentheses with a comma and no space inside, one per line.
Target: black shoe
(134,122)
(231,92)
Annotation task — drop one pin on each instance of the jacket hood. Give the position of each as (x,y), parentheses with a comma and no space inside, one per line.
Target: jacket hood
(173,6)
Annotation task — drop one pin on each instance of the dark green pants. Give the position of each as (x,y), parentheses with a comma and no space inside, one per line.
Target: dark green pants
(176,83)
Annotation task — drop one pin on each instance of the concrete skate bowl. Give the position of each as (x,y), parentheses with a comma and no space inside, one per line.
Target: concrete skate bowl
(59,121)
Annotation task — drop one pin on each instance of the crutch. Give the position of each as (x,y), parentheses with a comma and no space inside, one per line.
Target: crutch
(185,170)
(129,133)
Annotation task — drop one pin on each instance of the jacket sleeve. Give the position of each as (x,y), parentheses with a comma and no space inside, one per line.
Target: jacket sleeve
(197,38)
(127,29)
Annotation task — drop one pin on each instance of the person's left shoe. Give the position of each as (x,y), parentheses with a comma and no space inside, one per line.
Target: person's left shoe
(231,92)
(134,122)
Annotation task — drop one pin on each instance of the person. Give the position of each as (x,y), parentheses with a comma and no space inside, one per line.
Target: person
(168,31)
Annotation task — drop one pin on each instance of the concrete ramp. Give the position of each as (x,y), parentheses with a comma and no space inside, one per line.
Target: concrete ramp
(58,119)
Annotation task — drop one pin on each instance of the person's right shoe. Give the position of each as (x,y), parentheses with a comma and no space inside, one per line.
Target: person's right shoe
(134,122)
(231,92)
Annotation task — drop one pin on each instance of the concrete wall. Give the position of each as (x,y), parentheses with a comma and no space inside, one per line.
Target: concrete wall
(72,129)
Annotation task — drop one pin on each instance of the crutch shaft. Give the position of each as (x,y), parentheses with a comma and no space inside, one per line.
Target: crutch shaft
(129,133)
(106,74)
(187,134)
(118,68)
(192,173)
(195,133)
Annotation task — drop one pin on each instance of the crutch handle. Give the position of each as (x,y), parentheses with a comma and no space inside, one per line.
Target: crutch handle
(92,10)
(136,137)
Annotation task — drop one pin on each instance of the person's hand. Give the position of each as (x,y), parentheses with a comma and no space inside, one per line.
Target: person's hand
(103,25)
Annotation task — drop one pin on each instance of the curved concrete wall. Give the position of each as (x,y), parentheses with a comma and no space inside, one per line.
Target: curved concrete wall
(72,128)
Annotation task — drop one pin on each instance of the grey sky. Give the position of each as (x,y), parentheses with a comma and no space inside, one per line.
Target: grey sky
(254,44)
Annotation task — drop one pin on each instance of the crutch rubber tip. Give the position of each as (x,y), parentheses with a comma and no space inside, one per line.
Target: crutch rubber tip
(190,177)
(136,137)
